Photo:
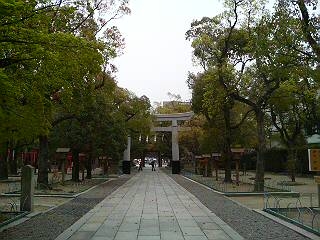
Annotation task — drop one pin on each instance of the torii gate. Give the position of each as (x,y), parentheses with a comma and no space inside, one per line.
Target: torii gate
(174,129)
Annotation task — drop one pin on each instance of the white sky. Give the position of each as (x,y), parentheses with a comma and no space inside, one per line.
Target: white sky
(157,57)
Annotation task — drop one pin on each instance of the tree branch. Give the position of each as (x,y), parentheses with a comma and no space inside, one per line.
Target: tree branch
(242,120)
(306,27)
(87,17)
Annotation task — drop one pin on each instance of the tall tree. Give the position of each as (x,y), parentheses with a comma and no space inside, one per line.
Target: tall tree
(53,47)
(221,47)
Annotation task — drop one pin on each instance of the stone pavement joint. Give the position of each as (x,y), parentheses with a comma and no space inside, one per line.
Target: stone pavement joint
(50,224)
(150,206)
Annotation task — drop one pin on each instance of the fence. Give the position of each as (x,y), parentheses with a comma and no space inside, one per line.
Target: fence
(301,210)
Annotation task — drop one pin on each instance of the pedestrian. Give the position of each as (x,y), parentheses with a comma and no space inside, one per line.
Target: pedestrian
(140,166)
(152,164)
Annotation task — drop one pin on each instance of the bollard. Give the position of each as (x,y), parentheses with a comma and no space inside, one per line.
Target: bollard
(27,188)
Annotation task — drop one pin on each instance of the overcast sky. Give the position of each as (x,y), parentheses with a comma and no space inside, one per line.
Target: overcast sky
(157,57)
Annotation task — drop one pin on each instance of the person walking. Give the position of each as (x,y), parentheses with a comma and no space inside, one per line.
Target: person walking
(140,165)
(152,165)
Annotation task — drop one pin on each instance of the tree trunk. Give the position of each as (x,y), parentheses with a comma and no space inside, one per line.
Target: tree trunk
(105,165)
(259,180)
(76,165)
(89,166)
(210,166)
(291,164)
(4,165)
(43,160)
(159,160)
(227,145)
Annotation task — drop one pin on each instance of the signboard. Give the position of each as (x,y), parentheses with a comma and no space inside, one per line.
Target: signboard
(314,159)
(63,150)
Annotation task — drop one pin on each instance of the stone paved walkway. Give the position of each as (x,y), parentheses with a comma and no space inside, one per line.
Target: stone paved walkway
(150,206)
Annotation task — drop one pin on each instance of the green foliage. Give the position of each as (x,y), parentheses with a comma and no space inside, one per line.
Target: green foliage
(52,62)
(103,120)
(254,57)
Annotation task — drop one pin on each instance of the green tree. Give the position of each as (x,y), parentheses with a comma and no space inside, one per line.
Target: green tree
(221,47)
(48,48)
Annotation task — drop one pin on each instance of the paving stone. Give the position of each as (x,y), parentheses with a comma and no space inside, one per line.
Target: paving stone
(148,237)
(149,222)
(216,235)
(81,235)
(90,227)
(208,225)
(132,219)
(149,216)
(170,226)
(195,237)
(151,231)
(192,231)
(127,227)
(171,236)
(126,235)
(187,223)
(97,219)
(101,238)
(109,232)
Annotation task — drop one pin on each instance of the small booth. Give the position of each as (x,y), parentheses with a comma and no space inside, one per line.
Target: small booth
(217,163)
(103,162)
(203,165)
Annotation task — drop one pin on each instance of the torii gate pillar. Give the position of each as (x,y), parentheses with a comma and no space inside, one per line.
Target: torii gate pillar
(126,163)
(175,163)
(174,129)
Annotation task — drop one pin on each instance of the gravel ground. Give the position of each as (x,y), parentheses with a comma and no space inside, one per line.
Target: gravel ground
(50,224)
(246,222)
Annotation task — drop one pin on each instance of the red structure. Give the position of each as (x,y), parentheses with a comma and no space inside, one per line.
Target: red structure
(30,158)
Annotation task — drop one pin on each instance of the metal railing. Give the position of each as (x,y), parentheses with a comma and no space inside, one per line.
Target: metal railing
(298,210)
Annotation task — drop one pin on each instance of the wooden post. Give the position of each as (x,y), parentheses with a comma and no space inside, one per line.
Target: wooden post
(216,169)
(237,171)
(63,171)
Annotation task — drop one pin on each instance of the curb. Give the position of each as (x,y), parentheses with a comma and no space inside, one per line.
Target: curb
(243,194)
(56,195)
